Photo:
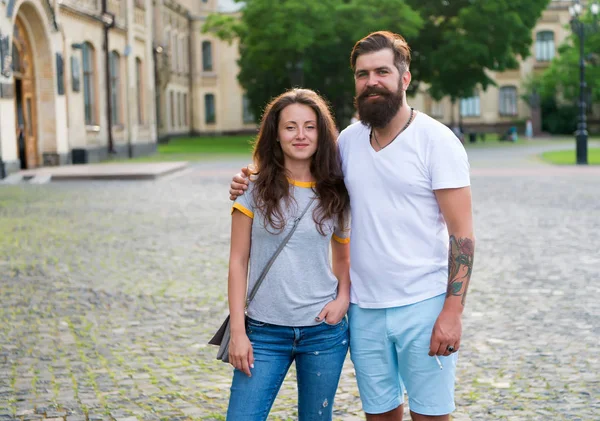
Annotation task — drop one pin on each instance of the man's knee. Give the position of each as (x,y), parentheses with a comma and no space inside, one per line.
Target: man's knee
(420,417)
(393,415)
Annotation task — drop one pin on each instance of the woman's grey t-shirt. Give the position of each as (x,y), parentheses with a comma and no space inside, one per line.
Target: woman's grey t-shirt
(300,282)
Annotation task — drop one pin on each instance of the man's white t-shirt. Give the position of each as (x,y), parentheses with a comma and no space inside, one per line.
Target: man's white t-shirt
(399,244)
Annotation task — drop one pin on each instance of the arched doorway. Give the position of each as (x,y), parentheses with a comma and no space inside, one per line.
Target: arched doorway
(25,96)
(37,105)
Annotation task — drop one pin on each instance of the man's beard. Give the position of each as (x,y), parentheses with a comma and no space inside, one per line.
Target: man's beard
(379,112)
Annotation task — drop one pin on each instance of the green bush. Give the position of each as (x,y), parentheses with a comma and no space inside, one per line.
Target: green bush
(558,119)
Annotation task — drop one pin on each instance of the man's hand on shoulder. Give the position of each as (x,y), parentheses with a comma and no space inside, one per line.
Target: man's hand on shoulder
(239,184)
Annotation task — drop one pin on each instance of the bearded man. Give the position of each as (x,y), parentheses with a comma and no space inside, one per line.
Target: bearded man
(412,240)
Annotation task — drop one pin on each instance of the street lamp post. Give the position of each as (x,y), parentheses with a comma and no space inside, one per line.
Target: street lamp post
(581,29)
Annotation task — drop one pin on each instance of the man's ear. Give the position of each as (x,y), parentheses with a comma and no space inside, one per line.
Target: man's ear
(406,78)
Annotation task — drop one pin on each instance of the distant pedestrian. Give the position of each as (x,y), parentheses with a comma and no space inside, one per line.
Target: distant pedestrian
(529,129)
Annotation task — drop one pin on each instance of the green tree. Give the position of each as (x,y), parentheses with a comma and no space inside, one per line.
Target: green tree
(308,43)
(559,85)
(560,81)
(462,40)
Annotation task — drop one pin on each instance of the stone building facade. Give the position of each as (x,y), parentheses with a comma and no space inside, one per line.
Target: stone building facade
(68,96)
(56,106)
(197,73)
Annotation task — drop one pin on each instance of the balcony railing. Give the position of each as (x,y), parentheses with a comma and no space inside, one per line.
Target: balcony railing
(119,9)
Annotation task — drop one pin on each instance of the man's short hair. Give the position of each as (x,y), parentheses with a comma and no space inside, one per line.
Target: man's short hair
(381,40)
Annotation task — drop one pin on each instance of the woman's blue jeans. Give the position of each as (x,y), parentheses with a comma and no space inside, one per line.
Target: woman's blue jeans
(319,352)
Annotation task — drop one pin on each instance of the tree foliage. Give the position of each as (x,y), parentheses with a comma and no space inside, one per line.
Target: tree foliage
(560,81)
(462,40)
(286,43)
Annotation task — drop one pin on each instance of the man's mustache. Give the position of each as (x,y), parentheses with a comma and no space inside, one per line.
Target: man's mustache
(378,91)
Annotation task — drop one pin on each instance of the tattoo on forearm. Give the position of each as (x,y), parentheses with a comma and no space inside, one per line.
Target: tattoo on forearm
(460,265)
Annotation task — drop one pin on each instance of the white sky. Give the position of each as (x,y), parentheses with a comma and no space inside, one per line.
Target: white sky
(228,5)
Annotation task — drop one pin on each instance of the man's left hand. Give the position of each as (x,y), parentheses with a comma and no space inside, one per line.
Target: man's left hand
(445,338)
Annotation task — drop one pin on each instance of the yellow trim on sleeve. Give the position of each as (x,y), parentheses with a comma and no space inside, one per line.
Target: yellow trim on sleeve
(341,240)
(242,209)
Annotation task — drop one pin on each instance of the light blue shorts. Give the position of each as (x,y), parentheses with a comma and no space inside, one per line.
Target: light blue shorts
(389,348)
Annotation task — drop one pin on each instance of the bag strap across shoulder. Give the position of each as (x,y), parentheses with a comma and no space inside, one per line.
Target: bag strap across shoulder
(272,259)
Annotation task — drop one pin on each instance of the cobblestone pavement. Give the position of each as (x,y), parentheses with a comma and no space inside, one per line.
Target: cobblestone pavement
(110,291)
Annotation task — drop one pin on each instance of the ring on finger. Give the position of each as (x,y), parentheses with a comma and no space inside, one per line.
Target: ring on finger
(450,349)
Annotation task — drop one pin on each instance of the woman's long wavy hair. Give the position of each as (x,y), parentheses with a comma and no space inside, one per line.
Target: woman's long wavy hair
(271,185)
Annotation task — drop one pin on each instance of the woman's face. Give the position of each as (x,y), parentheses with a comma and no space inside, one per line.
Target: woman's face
(298,134)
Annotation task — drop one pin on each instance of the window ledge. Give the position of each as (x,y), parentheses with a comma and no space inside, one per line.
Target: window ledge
(92,128)
(211,74)
(542,64)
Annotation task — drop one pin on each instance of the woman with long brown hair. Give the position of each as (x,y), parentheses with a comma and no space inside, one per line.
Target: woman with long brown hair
(295,207)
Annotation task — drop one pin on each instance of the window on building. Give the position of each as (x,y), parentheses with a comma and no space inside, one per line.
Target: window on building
(115,91)
(179,116)
(159,108)
(508,100)
(140,89)
(175,52)
(16,58)
(437,109)
(209,106)
(167,43)
(182,56)
(544,46)
(207,64)
(89,81)
(470,107)
(186,47)
(172,98)
(247,115)
(185,110)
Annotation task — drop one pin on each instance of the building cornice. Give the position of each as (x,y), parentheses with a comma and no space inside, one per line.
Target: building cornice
(80,13)
(177,8)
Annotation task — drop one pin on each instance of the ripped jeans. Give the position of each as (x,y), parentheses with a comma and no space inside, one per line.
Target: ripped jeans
(319,352)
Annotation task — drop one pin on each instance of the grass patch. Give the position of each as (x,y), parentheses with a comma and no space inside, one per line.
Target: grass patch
(223,147)
(567,157)
(199,148)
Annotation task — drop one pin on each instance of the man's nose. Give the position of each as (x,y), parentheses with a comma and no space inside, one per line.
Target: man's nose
(373,80)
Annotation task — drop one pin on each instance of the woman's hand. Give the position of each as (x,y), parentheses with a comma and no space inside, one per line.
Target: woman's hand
(334,311)
(240,353)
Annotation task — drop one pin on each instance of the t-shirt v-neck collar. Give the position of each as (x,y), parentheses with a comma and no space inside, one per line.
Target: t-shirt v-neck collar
(395,140)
